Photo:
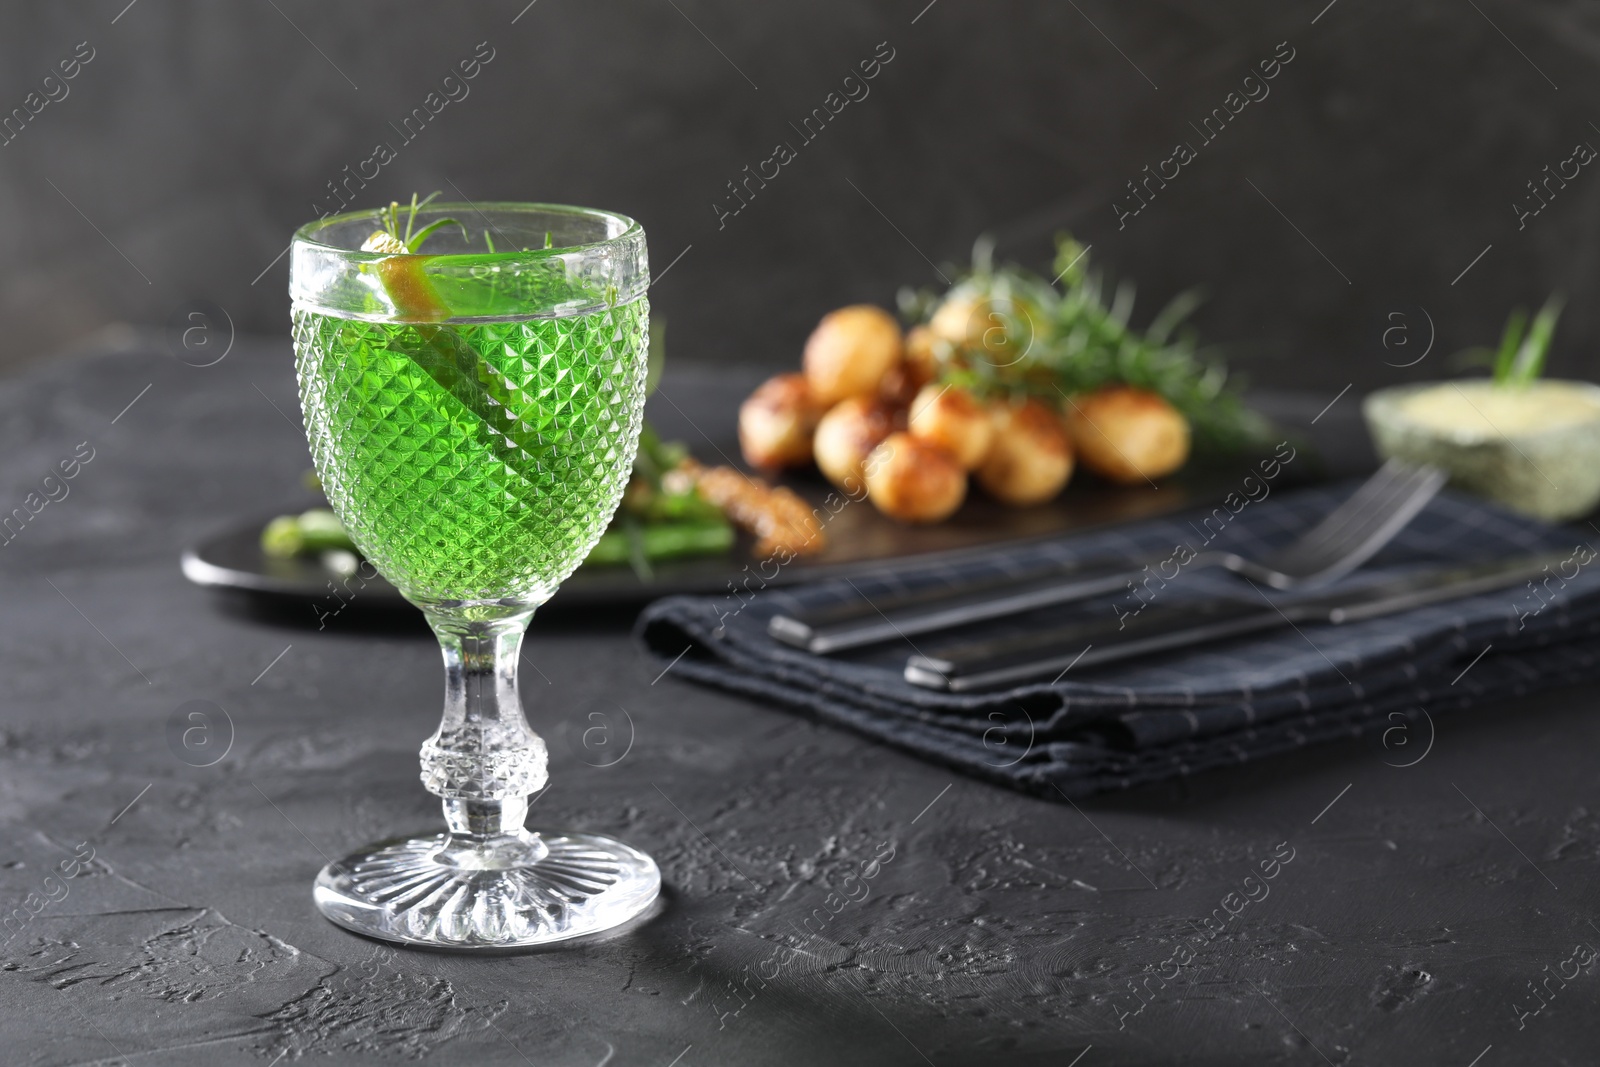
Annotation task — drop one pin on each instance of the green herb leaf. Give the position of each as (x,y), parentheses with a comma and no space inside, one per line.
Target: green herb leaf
(416,207)
(1524,346)
(390,219)
(427,231)
(1510,341)
(1535,348)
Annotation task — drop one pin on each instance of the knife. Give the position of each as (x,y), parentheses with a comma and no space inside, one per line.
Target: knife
(986,664)
(857,623)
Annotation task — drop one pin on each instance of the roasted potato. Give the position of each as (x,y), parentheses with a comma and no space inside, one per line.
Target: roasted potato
(1128,435)
(898,387)
(919,367)
(847,433)
(997,329)
(921,360)
(776,422)
(1030,458)
(948,417)
(850,351)
(961,319)
(911,480)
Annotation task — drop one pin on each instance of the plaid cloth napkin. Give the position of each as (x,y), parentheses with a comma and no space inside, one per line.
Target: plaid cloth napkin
(1141,721)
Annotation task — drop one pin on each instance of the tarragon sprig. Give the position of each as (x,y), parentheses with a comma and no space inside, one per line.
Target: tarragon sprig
(439,351)
(408,241)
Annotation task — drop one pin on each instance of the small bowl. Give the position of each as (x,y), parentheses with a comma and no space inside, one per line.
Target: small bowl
(1492,440)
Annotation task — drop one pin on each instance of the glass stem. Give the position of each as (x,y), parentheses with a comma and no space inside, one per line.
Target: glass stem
(484,760)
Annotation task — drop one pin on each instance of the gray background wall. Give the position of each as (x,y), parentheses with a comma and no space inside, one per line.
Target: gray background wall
(201,134)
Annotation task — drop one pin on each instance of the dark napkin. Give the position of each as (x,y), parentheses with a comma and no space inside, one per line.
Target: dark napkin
(1141,721)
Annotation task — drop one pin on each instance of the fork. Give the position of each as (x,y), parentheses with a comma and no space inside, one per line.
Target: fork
(1346,538)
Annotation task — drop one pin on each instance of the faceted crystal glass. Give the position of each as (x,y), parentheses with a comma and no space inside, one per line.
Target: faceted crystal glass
(473,411)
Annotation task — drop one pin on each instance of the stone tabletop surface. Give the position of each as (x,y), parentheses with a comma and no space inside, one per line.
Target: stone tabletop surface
(1427,897)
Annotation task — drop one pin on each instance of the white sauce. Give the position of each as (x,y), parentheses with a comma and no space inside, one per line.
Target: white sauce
(1479,409)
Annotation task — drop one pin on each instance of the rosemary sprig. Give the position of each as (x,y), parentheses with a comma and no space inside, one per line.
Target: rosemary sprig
(1055,339)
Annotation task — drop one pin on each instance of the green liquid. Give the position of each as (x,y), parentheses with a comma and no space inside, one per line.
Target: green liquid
(478,461)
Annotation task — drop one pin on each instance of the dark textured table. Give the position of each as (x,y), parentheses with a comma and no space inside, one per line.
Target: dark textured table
(828,901)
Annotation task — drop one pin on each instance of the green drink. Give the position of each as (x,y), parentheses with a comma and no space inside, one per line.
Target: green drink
(473,410)
(474,462)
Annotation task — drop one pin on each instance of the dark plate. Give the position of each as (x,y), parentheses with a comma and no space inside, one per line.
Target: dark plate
(860,539)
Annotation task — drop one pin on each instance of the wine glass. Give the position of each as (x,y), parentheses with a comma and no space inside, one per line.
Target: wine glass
(473,397)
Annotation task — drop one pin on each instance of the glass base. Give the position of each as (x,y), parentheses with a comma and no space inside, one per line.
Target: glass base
(511,890)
